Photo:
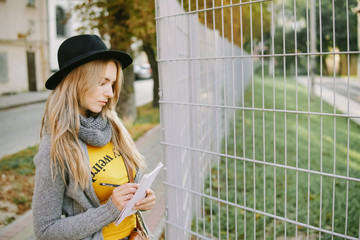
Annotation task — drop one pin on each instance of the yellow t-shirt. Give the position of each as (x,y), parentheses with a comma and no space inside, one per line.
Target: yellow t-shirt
(107,166)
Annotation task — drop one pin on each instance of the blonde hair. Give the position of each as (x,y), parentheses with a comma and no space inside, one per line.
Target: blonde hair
(61,120)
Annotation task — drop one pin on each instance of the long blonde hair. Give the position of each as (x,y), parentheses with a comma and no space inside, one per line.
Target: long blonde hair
(61,120)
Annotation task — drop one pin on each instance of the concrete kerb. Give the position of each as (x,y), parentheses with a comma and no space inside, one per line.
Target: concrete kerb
(341,102)
(21,228)
(21,99)
(149,145)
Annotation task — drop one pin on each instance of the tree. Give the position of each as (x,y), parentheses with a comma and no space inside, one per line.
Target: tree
(232,19)
(303,30)
(142,26)
(110,18)
(122,20)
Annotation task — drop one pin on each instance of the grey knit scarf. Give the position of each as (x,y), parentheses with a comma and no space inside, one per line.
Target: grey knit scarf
(95,131)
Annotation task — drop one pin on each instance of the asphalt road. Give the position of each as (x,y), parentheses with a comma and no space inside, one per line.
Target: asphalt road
(143,91)
(20,126)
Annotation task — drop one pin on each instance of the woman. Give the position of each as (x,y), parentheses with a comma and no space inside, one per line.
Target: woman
(83,143)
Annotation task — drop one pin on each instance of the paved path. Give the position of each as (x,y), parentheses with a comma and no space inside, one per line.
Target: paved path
(21,99)
(346,97)
(149,145)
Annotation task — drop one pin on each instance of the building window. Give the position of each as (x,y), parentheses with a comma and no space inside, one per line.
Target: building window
(4,78)
(31,3)
(60,22)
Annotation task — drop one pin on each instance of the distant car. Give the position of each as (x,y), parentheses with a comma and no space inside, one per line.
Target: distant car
(142,71)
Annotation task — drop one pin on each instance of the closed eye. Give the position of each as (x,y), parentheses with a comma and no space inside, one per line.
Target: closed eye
(105,81)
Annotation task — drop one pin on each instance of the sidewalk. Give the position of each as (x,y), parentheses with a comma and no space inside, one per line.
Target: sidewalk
(21,99)
(346,97)
(149,146)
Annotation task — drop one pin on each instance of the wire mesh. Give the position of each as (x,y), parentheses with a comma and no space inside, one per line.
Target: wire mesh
(260,114)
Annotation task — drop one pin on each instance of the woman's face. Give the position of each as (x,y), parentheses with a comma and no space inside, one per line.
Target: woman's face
(97,96)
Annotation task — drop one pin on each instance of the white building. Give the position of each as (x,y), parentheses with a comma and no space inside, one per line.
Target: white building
(31,32)
(23,45)
(62,24)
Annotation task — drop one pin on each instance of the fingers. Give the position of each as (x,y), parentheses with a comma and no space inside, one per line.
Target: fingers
(146,203)
(122,194)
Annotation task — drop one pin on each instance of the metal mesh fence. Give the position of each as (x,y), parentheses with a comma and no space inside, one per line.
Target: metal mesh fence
(260,118)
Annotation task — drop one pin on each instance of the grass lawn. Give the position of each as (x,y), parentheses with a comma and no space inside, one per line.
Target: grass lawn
(322,144)
(17,170)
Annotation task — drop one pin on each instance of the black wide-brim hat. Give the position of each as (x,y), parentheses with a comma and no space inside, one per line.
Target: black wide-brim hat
(79,50)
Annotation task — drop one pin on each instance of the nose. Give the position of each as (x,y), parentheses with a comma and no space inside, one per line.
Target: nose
(109,92)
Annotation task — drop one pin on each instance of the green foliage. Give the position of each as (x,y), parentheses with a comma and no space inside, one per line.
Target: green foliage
(340,11)
(123,21)
(22,161)
(147,114)
(120,19)
(109,17)
(298,140)
(248,23)
(21,200)
(244,24)
(9,220)
(142,22)
(148,117)
(296,31)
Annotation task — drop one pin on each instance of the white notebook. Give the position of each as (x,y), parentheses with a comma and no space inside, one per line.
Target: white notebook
(144,185)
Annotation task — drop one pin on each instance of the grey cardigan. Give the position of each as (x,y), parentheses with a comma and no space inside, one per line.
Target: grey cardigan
(63,211)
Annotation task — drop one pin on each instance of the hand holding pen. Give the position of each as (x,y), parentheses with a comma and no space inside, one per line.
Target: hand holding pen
(121,194)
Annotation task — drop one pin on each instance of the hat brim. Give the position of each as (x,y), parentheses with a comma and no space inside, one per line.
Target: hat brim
(124,59)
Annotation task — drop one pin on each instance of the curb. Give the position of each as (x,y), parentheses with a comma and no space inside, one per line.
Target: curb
(155,218)
(22,99)
(20,229)
(342,102)
(21,104)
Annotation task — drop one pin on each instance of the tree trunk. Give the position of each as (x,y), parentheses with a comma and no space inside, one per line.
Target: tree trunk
(126,104)
(152,60)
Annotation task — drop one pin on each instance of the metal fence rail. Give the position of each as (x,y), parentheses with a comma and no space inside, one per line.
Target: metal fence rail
(260,118)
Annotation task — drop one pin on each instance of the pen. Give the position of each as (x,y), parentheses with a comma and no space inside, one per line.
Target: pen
(109,185)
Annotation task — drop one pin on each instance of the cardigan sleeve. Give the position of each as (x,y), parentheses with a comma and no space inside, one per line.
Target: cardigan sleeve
(48,202)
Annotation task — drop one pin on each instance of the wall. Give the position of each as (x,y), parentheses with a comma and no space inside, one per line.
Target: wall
(27,32)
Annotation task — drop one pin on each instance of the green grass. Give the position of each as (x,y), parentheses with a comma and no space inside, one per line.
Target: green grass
(21,162)
(147,118)
(318,143)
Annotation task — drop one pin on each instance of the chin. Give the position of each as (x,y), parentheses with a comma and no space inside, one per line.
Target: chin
(95,110)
